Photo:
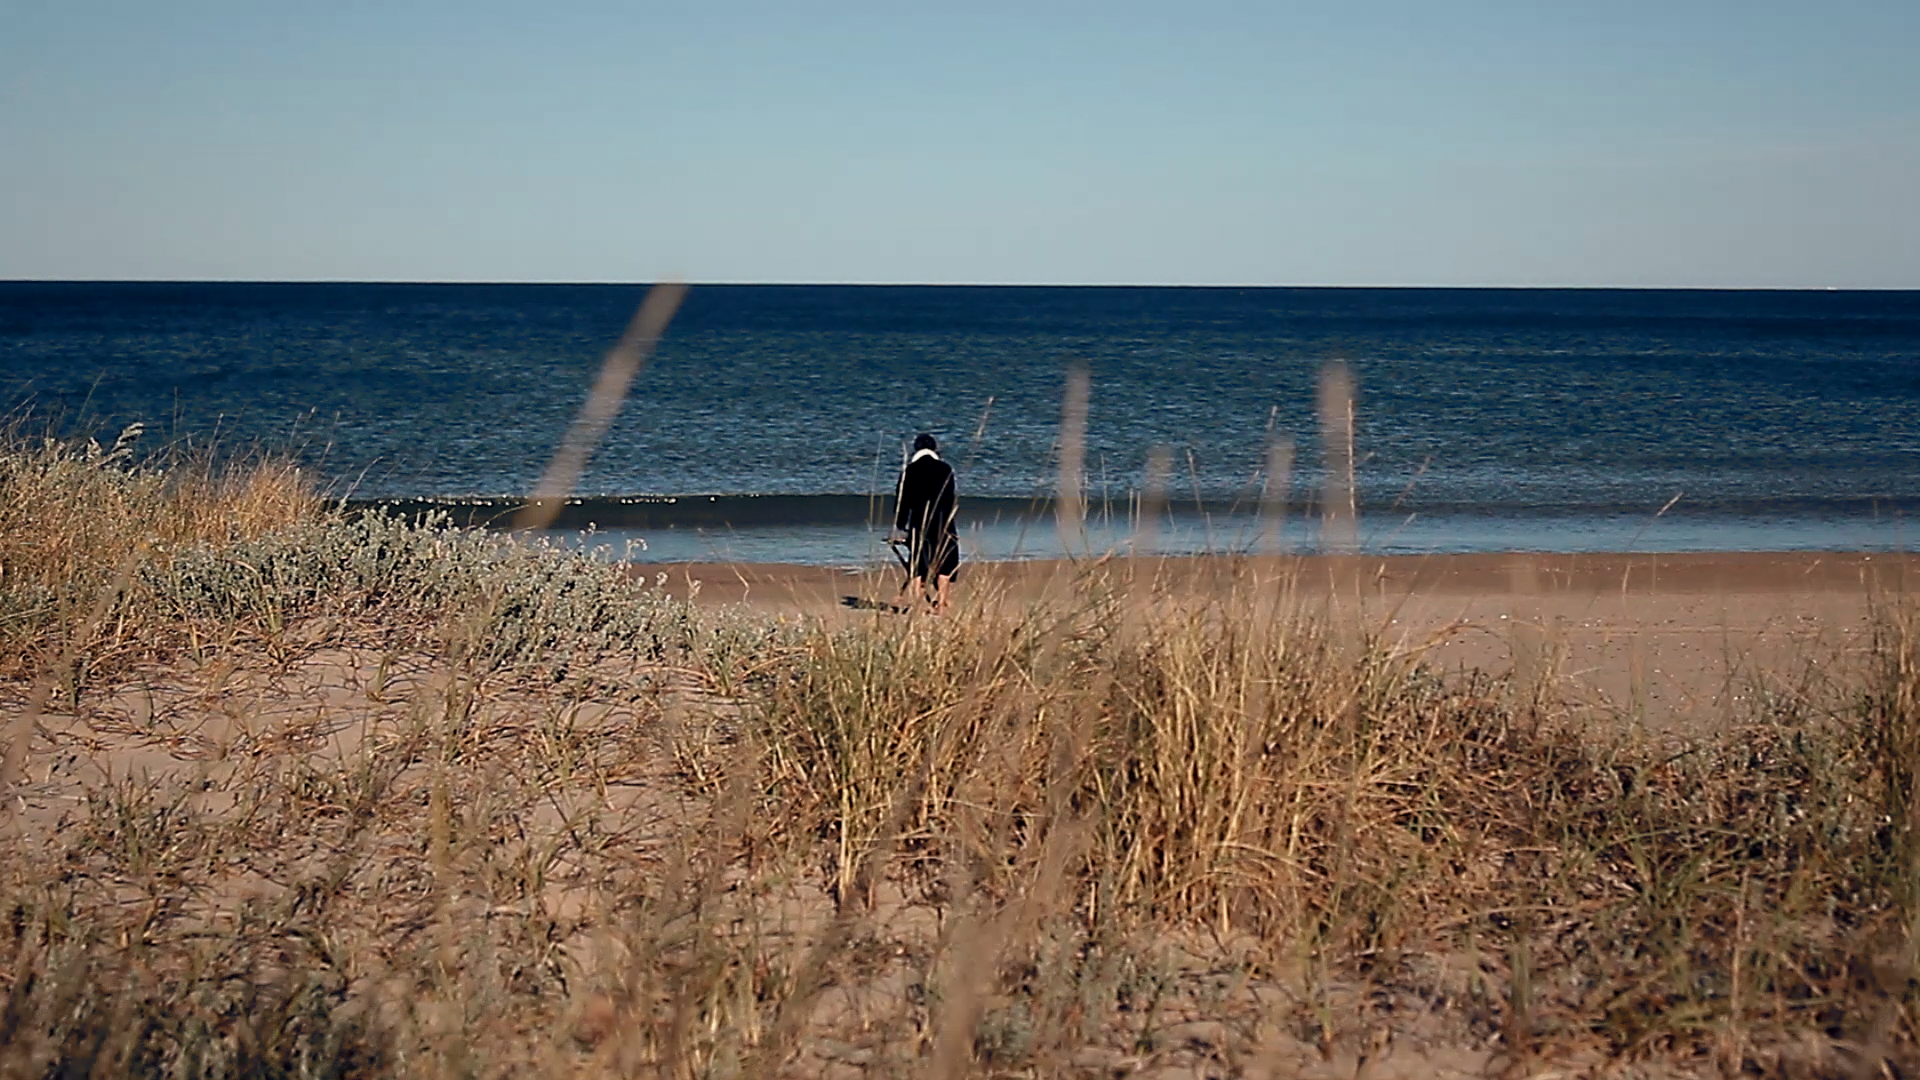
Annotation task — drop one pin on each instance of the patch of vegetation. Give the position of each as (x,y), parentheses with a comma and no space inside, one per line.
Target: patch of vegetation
(306,794)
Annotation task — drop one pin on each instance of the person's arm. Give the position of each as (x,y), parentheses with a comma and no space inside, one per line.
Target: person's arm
(947,505)
(901,515)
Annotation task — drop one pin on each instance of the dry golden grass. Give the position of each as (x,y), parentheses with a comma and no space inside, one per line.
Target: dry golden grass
(330,798)
(73,514)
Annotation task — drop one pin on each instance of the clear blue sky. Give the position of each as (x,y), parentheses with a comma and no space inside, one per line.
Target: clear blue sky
(1737,143)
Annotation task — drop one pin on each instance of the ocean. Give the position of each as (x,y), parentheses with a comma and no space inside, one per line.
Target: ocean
(770,424)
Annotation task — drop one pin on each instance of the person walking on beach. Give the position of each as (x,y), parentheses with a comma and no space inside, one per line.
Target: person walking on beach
(923,516)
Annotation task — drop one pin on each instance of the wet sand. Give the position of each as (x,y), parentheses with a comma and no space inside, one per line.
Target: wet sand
(1675,640)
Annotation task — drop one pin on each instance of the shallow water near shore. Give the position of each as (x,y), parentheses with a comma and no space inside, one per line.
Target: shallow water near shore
(854,546)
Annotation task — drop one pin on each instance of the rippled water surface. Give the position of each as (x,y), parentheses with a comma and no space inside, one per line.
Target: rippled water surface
(1487,418)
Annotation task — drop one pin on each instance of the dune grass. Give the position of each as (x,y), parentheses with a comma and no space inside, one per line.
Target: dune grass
(313,795)
(73,513)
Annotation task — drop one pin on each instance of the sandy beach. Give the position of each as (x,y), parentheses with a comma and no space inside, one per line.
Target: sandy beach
(1675,640)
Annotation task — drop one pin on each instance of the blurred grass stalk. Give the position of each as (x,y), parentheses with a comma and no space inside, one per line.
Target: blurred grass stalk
(1339,529)
(1070,505)
(1273,496)
(604,401)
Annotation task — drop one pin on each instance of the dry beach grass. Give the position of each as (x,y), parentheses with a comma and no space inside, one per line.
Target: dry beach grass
(292,794)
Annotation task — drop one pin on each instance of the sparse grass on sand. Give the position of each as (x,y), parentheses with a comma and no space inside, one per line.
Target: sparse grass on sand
(291,794)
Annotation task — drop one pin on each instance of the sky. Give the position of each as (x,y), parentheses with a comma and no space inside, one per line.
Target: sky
(1682,143)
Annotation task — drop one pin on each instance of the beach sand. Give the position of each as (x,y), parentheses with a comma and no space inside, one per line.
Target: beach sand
(1679,643)
(1676,641)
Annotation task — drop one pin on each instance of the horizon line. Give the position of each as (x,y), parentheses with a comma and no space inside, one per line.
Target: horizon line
(1404,286)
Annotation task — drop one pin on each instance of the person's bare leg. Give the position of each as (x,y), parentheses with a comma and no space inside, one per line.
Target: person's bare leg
(940,596)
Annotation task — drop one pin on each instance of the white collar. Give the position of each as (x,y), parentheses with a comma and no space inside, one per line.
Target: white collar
(918,454)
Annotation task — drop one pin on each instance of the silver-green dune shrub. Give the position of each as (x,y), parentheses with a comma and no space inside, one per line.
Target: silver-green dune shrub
(507,601)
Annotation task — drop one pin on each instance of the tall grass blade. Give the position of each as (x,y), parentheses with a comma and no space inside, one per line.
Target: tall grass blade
(1070,507)
(609,392)
(1339,534)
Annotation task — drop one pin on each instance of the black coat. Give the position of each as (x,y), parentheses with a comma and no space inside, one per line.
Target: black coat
(924,510)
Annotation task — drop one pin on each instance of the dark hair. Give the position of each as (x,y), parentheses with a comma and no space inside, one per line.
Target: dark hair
(923,441)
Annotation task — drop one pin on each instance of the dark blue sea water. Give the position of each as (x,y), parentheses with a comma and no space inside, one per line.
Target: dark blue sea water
(1487,419)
